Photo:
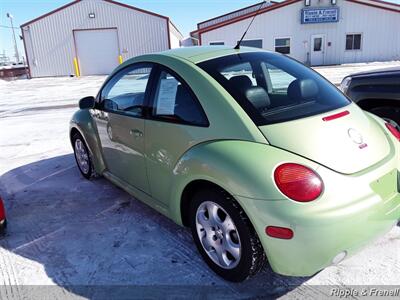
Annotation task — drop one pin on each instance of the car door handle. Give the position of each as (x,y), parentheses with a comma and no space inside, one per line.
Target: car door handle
(136,133)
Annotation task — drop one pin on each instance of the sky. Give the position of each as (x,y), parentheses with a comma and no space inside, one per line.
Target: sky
(185,14)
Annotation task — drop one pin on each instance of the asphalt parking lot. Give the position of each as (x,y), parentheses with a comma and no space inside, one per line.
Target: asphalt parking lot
(65,231)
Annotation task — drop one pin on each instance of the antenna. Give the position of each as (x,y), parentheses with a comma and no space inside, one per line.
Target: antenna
(244,34)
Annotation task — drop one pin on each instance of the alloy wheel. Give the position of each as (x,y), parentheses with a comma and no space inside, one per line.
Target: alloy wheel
(218,235)
(82,156)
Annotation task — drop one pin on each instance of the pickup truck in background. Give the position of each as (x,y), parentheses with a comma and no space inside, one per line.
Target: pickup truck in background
(377,92)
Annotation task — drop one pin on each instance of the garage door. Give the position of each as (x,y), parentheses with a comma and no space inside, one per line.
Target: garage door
(97,51)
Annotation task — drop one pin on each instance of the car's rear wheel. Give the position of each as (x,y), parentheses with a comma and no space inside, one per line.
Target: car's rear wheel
(389,114)
(82,156)
(224,236)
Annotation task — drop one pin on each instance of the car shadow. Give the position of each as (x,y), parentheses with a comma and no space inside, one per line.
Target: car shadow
(96,241)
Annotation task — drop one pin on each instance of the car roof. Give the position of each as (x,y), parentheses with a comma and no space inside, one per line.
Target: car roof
(197,54)
(194,54)
(201,53)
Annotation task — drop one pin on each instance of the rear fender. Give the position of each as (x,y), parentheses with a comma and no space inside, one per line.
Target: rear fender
(241,168)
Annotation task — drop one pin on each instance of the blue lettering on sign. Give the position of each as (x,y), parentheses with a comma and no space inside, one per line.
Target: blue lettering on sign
(319,15)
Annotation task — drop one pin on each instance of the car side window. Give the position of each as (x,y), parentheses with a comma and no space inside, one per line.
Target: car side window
(125,92)
(175,102)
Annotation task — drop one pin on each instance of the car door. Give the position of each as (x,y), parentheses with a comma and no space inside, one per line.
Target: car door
(119,116)
(176,122)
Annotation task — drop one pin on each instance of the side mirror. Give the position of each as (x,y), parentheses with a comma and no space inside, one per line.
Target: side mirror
(87,102)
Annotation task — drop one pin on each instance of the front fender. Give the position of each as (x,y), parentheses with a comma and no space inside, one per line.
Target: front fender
(244,169)
(83,122)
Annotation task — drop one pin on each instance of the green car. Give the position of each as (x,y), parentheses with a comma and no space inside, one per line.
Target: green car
(259,155)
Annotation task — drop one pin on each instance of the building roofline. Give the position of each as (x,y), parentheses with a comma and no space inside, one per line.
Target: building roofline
(232,12)
(50,13)
(176,28)
(136,8)
(378,4)
(109,1)
(246,16)
(385,2)
(285,3)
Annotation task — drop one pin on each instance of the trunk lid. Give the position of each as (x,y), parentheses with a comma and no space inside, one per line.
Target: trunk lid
(348,144)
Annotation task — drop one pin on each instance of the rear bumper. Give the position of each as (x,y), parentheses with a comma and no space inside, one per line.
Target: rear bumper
(340,221)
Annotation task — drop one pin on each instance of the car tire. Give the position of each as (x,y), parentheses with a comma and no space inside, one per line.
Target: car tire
(82,156)
(389,114)
(233,252)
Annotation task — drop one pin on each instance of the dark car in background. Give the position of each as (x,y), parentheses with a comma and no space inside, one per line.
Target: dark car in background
(377,92)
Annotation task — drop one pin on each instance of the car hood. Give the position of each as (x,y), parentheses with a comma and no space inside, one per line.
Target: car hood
(347,144)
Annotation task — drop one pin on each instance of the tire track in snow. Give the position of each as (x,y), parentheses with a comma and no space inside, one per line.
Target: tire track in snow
(179,237)
(39,241)
(8,276)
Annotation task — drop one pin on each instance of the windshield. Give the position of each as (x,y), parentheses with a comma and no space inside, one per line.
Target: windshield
(273,88)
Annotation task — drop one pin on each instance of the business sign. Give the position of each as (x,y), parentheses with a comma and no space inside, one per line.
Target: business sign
(319,15)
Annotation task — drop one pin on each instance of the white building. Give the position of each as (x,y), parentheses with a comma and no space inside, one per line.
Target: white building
(316,32)
(89,37)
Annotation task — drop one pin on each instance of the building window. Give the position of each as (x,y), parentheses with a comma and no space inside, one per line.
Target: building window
(353,41)
(282,45)
(252,43)
(217,43)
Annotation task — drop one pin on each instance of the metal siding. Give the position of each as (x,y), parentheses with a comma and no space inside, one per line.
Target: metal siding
(175,36)
(380,40)
(51,44)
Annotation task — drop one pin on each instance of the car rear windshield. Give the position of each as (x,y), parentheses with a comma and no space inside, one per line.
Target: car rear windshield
(273,88)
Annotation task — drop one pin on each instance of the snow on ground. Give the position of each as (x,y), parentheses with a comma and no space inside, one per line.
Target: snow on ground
(336,73)
(83,238)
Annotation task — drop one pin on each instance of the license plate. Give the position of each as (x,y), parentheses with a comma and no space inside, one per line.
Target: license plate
(387,185)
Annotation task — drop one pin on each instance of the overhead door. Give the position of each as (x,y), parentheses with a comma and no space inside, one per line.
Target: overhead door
(97,51)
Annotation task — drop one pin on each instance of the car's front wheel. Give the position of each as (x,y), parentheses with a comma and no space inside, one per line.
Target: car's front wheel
(82,156)
(224,236)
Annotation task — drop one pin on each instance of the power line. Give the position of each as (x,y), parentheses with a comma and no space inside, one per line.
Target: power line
(5,26)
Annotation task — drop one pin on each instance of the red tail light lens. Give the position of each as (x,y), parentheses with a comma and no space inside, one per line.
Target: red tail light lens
(2,210)
(279,232)
(393,130)
(298,182)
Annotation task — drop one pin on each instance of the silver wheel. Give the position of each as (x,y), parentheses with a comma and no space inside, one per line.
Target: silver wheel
(82,156)
(218,235)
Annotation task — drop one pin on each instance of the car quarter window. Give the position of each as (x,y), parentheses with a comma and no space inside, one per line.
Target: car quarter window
(175,102)
(272,88)
(125,92)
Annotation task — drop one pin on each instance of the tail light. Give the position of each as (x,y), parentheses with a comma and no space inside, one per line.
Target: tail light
(393,131)
(279,232)
(298,182)
(2,210)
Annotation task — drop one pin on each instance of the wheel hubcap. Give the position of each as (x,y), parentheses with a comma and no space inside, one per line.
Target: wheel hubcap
(82,156)
(218,235)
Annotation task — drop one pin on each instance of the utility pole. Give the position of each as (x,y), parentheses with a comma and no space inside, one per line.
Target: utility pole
(15,40)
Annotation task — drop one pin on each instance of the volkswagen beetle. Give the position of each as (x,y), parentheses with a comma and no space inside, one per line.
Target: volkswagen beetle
(259,155)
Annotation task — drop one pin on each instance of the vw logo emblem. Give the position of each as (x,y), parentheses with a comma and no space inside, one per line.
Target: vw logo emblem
(355,136)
